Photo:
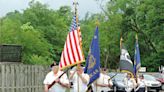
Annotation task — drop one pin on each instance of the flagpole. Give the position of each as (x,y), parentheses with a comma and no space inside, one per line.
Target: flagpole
(75,3)
(96,85)
(120,48)
(97,24)
(121,39)
(137,37)
(135,48)
(76,14)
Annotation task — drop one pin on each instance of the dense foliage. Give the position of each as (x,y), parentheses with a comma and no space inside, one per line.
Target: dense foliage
(127,18)
(42,31)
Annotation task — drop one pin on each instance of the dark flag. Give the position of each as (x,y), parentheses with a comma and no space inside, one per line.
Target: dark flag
(137,63)
(92,67)
(126,65)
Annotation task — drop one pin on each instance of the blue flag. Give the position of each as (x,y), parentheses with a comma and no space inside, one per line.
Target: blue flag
(92,67)
(137,63)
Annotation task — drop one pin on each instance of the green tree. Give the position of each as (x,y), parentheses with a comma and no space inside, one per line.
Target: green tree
(52,24)
(40,30)
(128,17)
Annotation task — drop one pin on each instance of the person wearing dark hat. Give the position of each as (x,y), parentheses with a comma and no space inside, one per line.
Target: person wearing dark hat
(141,84)
(53,64)
(60,84)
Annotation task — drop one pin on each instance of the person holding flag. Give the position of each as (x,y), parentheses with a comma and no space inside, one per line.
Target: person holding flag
(137,64)
(71,55)
(130,83)
(126,65)
(79,79)
(103,83)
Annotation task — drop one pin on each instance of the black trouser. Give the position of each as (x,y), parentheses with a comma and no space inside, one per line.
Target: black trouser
(132,90)
(141,90)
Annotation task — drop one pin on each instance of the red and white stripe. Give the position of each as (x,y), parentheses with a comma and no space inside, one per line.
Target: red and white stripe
(72,53)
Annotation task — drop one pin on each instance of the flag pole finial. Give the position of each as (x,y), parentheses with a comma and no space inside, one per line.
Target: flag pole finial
(121,40)
(136,36)
(97,22)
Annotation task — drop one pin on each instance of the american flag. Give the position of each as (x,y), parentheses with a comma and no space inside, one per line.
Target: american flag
(72,53)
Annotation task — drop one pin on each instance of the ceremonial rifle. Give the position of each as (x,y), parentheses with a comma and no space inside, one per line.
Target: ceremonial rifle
(49,86)
(112,77)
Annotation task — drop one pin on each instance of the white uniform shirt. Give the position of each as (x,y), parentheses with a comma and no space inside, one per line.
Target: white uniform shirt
(50,77)
(77,83)
(129,83)
(141,83)
(103,79)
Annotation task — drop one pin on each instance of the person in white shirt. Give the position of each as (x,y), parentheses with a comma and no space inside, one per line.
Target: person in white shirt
(79,79)
(141,84)
(60,84)
(130,83)
(103,83)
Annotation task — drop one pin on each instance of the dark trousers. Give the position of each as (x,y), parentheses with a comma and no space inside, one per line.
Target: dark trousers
(132,90)
(141,90)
